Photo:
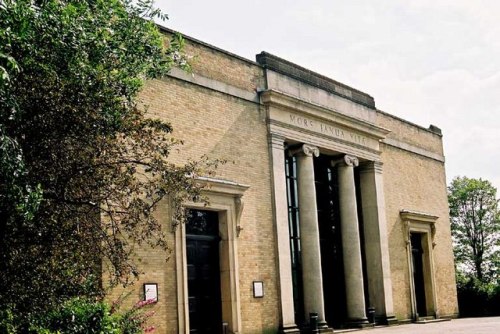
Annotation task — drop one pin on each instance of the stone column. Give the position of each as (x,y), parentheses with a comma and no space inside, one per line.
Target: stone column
(351,246)
(376,241)
(309,233)
(280,206)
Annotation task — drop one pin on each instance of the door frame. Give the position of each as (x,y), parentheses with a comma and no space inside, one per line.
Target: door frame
(224,197)
(424,224)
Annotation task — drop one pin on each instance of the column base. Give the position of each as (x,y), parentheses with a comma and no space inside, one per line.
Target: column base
(358,323)
(323,327)
(389,320)
(286,329)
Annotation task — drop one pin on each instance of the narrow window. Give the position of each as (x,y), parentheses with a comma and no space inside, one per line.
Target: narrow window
(294,228)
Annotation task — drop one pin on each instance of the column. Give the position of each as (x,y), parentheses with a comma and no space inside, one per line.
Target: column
(309,233)
(376,242)
(351,246)
(280,206)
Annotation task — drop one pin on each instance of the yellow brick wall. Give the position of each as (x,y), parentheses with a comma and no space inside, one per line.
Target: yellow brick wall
(417,183)
(222,66)
(410,133)
(221,127)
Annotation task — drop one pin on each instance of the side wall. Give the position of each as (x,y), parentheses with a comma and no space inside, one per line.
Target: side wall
(414,179)
(219,125)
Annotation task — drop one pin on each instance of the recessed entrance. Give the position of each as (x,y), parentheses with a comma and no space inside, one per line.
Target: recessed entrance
(203,272)
(419,232)
(332,263)
(417,253)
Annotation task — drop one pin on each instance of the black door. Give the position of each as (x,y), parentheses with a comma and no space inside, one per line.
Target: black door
(202,245)
(417,252)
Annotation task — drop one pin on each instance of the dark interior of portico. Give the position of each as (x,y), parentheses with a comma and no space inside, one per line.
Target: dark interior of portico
(332,264)
(330,241)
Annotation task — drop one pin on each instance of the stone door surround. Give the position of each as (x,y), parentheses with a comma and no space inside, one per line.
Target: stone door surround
(424,224)
(225,198)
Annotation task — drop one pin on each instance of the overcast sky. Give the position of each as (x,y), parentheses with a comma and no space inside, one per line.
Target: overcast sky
(427,61)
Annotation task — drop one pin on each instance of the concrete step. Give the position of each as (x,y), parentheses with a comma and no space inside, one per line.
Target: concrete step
(429,320)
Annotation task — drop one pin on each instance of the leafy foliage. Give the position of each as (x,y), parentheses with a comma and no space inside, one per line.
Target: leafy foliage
(475,225)
(82,167)
(476,298)
(85,316)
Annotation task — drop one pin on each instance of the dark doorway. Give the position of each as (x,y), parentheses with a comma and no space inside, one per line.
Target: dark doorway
(417,253)
(203,271)
(332,264)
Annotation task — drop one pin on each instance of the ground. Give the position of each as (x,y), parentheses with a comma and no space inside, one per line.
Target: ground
(457,326)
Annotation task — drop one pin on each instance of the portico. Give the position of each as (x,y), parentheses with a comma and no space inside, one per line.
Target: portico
(309,130)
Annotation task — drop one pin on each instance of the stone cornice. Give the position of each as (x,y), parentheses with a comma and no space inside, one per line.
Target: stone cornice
(213,84)
(314,79)
(418,216)
(413,149)
(221,186)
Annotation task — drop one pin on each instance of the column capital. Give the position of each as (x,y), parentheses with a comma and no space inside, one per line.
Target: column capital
(277,141)
(305,150)
(371,166)
(346,160)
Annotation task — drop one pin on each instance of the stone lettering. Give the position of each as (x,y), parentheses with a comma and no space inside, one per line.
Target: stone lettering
(301,121)
(327,129)
(358,139)
(332,131)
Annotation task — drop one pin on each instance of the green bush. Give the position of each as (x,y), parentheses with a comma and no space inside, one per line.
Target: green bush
(477,299)
(83,316)
(7,321)
(77,316)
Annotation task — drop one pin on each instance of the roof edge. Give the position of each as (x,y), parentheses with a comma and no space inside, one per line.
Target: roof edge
(312,78)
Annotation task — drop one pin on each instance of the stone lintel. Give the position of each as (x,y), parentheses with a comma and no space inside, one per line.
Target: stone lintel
(418,216)
(289,102)
(221,186)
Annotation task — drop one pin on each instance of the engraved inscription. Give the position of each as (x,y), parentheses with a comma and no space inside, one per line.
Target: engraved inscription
(327,129)
(358,138)
(301,121)
(332,131)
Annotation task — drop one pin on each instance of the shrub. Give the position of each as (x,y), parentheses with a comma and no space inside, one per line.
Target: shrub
(477,299)
(7,321)
(84,316)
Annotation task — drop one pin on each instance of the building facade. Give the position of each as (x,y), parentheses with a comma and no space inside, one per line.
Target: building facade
(326,205)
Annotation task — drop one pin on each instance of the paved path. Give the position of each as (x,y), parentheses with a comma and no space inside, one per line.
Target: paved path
(489,325)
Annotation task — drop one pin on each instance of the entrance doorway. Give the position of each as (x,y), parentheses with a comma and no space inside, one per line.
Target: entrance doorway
(203,272)
(332,264)
(417,256)
(419,230)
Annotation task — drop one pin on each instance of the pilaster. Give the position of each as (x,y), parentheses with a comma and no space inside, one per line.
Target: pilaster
(280,206)
(376,242)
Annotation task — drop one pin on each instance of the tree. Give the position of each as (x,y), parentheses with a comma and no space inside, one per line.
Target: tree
(475,226)
(82,167)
